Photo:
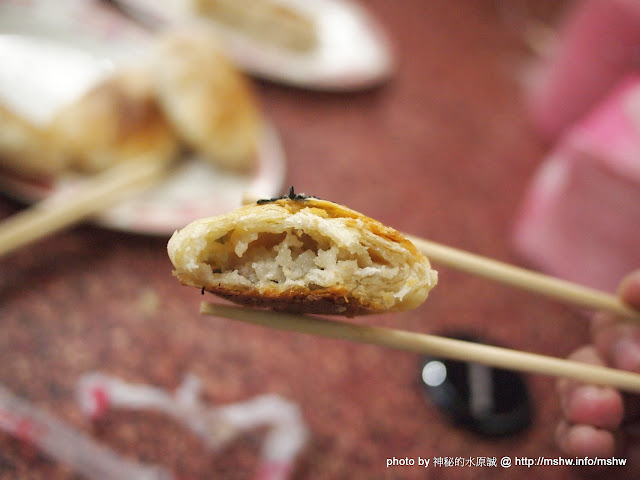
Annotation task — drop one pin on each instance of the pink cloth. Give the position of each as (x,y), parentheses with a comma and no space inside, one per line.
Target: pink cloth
(597,45)
(581,217)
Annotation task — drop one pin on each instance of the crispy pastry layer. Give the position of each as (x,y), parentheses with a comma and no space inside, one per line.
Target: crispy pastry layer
(209,102)
(119,120)
(302,254)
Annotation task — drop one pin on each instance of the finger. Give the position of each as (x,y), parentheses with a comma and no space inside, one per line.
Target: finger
(609,338)
(585,354)
(619,345)
(617,342)
(629,290)
(601,407)
(596,406)
(585,440)
(626,353)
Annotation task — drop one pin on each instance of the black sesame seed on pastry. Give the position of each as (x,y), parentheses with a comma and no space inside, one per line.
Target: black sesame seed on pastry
(302,254)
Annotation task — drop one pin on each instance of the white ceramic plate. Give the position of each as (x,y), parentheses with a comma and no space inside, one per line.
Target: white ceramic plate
(52,52)
(195,189)
(353,50)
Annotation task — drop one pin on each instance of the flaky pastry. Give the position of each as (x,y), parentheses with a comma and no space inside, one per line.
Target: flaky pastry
(302,254)
(268,20)
(118,120)
(208,101)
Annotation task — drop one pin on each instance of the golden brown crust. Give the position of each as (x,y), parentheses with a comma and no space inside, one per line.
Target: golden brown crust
(336,210)
(303,255)
(209,102)
(323,301)
(266,20)
(119,120)
(187,95)
(27,149)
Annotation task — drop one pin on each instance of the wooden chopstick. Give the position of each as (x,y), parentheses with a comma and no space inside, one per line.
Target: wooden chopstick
(551,287)
(430,345)
(92,196)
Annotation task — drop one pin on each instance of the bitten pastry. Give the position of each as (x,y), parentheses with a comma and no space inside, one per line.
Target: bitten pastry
(302,254)
(208,101)
(118,120)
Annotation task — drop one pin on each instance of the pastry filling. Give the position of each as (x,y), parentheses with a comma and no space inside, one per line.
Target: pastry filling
(295,258)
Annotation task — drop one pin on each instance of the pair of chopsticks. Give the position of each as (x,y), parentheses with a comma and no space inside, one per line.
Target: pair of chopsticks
(497,357)
(113,185)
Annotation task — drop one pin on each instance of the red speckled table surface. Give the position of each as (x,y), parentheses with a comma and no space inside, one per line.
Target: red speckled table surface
(442,151)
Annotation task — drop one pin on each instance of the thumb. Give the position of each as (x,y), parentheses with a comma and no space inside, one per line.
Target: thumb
(629,289)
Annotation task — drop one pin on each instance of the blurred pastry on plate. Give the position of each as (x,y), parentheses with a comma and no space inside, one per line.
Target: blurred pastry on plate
(118,120)
(302,254)
(271,21)
(180,92)
(328,45)
(209,102)
(27,149)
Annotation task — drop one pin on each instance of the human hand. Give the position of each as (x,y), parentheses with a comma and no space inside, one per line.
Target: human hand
(600,421)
